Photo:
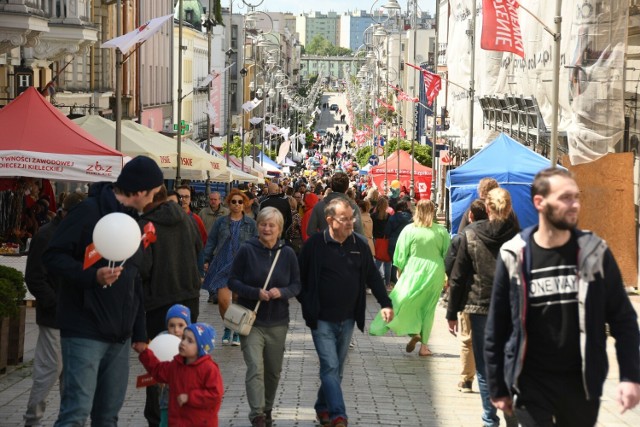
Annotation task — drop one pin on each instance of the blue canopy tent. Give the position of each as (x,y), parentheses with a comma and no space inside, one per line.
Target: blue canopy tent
(512,164)
(272,167)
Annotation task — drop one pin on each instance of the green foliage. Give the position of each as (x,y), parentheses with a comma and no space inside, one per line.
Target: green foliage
(8,297)
(422,153)
(236,148)
(322,47)
(362,155)
(217,12)
(16,278)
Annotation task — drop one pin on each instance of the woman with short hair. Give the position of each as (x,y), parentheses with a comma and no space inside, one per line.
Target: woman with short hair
(263,348)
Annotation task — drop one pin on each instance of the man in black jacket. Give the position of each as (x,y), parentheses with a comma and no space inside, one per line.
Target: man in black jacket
(335,269)
(555,288)
(100,307)
(47,359)
(278,200)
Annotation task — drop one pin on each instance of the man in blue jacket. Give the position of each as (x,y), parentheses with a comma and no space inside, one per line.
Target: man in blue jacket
(555,289)
(100,309)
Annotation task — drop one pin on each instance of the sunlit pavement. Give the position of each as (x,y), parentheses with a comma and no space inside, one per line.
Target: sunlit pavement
(383,385)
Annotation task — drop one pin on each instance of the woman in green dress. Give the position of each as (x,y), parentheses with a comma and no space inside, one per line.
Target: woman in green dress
(419,257)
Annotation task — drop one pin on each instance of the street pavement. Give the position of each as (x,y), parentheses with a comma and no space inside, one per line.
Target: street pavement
(383,385)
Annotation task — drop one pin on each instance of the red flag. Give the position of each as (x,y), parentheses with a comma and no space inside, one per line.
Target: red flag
(432,85)
(501,27)
(149,235)
(91,256)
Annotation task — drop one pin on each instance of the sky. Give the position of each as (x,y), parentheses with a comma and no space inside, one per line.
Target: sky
(340,6)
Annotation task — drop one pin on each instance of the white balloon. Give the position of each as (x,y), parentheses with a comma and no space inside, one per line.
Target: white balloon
(116,236)
(165,347)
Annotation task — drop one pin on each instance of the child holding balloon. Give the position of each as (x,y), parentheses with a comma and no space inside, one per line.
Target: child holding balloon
(178,318)
(195,383)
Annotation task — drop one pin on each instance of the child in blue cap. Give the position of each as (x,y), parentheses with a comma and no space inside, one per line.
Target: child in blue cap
(195,383)
(177,319)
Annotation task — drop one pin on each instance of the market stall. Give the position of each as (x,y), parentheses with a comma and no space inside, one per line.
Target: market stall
(422,174)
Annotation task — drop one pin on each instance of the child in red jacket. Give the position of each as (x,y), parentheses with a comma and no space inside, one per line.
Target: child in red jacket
(195,384)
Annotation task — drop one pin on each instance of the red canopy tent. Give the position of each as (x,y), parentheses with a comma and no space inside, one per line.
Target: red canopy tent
(39,141)
(422,174)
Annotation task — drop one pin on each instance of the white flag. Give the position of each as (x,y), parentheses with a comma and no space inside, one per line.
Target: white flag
(271,128)
(255,120)
(282,152)
(141,34)
(211,111)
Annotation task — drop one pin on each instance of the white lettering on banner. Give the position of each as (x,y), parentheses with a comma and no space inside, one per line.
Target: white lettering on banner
(556,285)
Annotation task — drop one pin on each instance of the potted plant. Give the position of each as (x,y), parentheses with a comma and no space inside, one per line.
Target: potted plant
(16,310)
(8,295)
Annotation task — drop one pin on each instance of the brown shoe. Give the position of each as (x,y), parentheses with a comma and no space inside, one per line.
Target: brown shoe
(259,421)
(323,418)
(339,422)
(412,343)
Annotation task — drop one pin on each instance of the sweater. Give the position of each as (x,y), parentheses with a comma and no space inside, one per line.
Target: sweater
(249,271)
(169,270)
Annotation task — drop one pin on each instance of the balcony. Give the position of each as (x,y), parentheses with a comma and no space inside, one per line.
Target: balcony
(22,22)
(53,28)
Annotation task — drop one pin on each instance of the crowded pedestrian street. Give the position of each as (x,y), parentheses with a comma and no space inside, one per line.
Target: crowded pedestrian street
(384,386)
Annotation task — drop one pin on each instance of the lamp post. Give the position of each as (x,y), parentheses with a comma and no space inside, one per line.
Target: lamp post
(118,78)
(179,115)
(243,73)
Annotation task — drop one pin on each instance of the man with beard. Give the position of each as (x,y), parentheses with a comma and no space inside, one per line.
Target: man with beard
(555,289)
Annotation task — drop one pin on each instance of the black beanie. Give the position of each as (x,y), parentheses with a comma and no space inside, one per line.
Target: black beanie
(140,174)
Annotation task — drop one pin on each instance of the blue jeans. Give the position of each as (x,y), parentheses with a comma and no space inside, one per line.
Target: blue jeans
(489,412)
(385,271)
(332,345)
(95,380)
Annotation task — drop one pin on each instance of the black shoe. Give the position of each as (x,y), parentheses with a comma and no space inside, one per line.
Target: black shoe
(268,420)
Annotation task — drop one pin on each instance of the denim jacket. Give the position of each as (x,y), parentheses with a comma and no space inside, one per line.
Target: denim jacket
(220,232)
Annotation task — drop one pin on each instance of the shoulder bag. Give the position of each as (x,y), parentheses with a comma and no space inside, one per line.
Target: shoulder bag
(240,319)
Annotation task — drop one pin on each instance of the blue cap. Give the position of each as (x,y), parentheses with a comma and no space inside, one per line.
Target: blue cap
(179,311)
(205,337)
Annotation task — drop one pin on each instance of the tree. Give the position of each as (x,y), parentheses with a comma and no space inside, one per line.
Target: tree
(236,148)
(422,153)
(322,47)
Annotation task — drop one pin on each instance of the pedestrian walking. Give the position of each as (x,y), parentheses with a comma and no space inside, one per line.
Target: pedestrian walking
(419,257)
(336,267)
(558,293)
(100,308)
(225,237)
(265,256)
(476,258)
(47,359)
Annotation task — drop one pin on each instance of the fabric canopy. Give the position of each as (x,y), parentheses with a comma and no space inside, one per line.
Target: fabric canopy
(511,164)
(39,141)
(195,162)
(233,173)
(422,174)
(272,167)
(132,142)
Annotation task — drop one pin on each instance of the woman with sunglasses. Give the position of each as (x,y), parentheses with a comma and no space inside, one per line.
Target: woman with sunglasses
(225,237)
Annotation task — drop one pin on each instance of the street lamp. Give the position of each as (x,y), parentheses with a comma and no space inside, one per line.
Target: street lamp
(231,90)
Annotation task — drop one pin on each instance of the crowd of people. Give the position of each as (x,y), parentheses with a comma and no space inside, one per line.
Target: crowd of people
(530,305)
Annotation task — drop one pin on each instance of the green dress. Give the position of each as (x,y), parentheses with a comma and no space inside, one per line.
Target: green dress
(420,256)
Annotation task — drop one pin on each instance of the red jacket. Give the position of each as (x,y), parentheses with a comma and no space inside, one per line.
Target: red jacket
(310,201)
(200,380)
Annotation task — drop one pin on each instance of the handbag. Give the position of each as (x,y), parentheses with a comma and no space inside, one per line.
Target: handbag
(240,319)
(382,249)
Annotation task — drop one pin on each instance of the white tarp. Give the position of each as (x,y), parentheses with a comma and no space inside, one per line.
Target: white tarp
(591,68)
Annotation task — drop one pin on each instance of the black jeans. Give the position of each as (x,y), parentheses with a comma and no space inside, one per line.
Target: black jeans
(552,399)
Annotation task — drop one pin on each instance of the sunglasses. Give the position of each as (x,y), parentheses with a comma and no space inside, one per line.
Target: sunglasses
(236,202)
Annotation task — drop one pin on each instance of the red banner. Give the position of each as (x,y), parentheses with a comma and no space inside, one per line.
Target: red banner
(432,85)
(501,27)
